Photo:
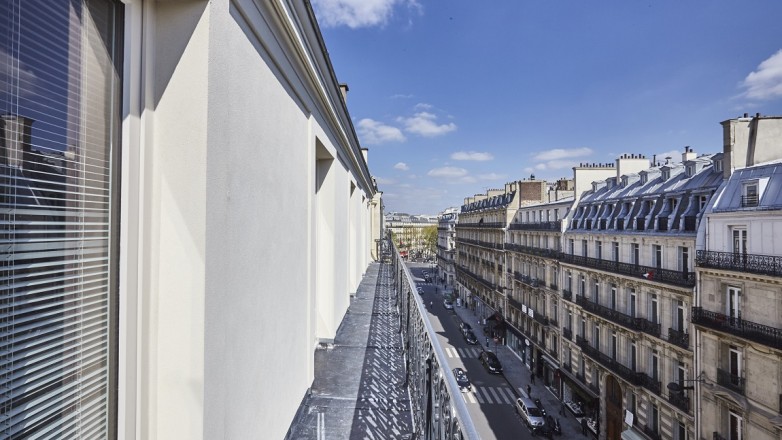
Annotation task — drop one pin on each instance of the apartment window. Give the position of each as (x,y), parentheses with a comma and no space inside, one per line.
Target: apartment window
(718,166)
(632,405)
(635,253)
(613,345)
(654,419)
(556,214)
(735,429)
(733,302)
(654,309)
(615,251)
(749,193)
(680,373)
(596,292)
(569,324)
(527,216)
(613,296)
(582,286)
(571,246)
(597,336)
(584,248)
(684,259)
(631,306)
(599,249)
(740,240)
(678,318)
(654,360)
(702,203)
(583,328)
(657,256)
(633,356)
(679,431)
(570,281)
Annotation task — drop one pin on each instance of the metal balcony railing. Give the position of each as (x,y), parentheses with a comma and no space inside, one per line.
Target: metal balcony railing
(639,324)
(526,279)
(545,226)
(476,277)
(481,225)
(540,318)
(679,338)
(651,432)
(540,252)
(481,243)
(435,397)
(567,333)
(717,436)
(730,381)
(740,262)
(737,326)
(680,401)
(675,277)
(634,377)
(553,286)
(513,302)
(567,294)
(749,201)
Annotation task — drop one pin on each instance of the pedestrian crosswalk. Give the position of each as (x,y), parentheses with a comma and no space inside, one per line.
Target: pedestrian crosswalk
(470,352)
(490,395)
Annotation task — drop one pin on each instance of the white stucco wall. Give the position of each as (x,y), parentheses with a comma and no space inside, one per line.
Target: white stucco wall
(236,268)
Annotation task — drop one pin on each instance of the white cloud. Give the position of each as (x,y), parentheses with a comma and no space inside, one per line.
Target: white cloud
(471,155)
(766,81)
(358,13)
(466,179)
(373,132)
(24,79)
(423,106)
(401,96)
(492,176)
(562,153)
(384,181)
(425,124)
(450,172)
(401,166)
(675,155)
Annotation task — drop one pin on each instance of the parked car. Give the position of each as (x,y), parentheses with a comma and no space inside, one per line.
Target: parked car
(531,415)
(461,379)
(490,362)
(469,336)
(463,326)
(420,290)
(448,305)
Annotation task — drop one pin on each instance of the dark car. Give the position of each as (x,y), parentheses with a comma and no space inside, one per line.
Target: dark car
(463,326)
(461,379)
(490,362)
(469,336)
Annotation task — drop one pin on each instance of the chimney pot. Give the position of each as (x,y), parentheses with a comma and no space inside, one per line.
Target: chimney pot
(757,115)
(746,115)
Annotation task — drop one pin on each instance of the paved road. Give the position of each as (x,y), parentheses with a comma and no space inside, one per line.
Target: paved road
(491,400)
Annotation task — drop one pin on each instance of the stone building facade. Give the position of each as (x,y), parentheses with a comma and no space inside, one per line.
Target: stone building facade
(446,247)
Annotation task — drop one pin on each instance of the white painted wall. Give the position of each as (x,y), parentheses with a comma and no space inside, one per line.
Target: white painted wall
(233,266)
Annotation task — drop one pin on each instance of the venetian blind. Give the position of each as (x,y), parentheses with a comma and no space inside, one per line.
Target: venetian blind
(59,120)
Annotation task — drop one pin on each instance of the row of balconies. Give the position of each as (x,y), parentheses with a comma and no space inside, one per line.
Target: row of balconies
(480,225)
(675,277)
(488,244)
(539,226)
(737,326)
(631,322)
(740,262)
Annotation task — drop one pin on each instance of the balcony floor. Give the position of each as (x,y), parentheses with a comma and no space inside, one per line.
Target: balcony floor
(359,388)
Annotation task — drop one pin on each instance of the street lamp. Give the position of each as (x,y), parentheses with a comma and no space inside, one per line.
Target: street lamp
(677,387)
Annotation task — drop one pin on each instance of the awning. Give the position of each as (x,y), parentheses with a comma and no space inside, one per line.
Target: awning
(551,362)
(632,434)
(578,387)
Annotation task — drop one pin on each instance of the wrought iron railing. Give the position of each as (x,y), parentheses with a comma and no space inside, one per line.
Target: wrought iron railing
(567,333)
(634,377)
(481,225)
(549,226)
(730,381)
(439,411)
(741,262)
(651,432)
(679,338)
(540,252)
(737,326)
(477,278)
(749,201)
(540,318)
(486,244)
(640,324)
(651,384)
(553,286)
(717,436)
(526,279)
(675,277)
(680,401)
(513,302)
(567,294)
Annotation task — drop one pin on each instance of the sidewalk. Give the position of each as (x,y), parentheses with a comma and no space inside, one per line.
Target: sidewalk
(518,376)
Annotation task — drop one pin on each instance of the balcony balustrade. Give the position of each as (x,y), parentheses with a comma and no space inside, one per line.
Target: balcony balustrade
(680,401)
(651,432)
(553,286)
(634,377)
(567,367)
(567,333)
(541,319)
(567,294)
(770,265)
(717,436)
(476,278)
(738,326)
(552,322)
(480,225)
(675,277)
(679,338)
(639,324)
(749,201)
(529,250)
(487,244)
(526,279)
(544,226)
(730,381)
(513,302)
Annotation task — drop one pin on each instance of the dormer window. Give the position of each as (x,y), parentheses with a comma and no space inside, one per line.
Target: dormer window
(594,187)
(690,170)
(624,181)
(644,178)
(749,194)
(718,166)
(666,174)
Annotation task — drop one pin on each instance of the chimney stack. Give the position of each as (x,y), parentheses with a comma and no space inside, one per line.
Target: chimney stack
(688,154)
(344,88)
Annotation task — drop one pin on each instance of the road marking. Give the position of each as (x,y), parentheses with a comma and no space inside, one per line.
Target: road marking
(499,396)
(487,396)
(478,395)
(468,396)
(510,394)
(451,352)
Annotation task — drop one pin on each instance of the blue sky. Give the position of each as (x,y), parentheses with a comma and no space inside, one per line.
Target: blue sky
(454,97)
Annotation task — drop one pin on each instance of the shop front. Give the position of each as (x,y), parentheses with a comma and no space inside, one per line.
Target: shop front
(581,402)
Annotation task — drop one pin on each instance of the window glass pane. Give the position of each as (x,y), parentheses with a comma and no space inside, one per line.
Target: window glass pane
(59,130)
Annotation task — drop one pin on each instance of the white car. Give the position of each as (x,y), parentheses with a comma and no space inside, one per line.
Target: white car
(448,304)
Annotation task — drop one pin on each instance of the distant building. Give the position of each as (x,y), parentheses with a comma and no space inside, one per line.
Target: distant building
(738,307)
(446,246)
(408,231)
